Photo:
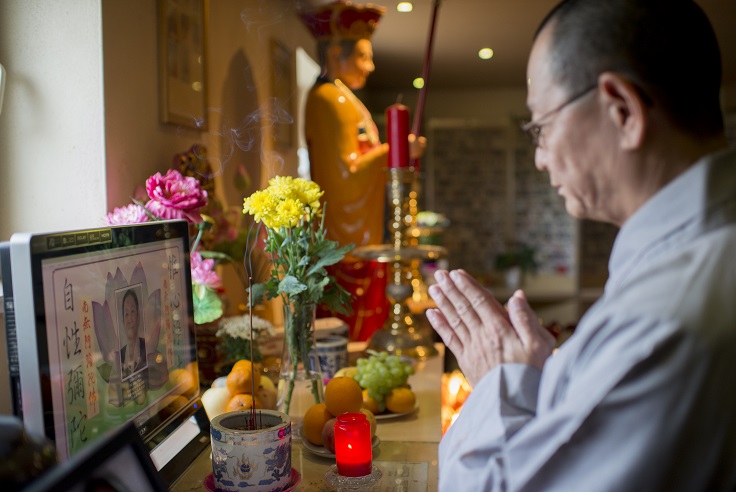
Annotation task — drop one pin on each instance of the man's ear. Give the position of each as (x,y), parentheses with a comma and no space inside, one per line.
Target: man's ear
(625,107)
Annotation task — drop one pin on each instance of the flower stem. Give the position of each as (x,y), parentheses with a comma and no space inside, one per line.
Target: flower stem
(200,231)
(298,335)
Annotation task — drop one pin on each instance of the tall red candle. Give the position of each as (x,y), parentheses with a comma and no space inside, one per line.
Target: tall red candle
(353,446)
(397,128)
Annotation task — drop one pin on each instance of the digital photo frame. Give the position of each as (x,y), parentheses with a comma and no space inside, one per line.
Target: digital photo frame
(117,462)
(104,332)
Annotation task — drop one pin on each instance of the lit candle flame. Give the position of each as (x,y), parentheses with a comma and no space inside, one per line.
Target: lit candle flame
(455,390)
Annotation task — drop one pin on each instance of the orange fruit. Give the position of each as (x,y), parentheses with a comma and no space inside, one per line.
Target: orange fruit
(401,400)
(184,379)
(242,401)
(343,394)
(241,378)
(244,364)
(369,403)
(314,422)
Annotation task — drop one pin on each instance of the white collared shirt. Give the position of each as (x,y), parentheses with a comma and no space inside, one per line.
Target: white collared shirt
(643,395)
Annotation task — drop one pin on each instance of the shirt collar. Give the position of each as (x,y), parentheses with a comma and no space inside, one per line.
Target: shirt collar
(677,209)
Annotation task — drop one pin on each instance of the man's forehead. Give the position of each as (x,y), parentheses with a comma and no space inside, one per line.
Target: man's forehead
(540,80)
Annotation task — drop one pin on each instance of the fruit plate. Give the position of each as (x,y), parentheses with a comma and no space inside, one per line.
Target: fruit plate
(390,416)
(324,452)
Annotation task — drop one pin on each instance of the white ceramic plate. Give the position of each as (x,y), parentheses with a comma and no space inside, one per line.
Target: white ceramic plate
(324,452)
(390,416)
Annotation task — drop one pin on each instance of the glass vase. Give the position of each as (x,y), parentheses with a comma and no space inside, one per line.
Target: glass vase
(300,379)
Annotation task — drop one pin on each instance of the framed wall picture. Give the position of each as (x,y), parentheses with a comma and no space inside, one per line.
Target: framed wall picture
(182,62)
(282,92)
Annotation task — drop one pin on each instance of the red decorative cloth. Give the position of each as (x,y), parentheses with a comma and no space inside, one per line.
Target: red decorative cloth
(366,282)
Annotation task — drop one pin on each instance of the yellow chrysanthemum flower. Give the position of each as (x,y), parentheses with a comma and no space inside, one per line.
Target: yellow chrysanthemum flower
(289,212)
(259,204)
(284,202)
(282,187)
(308,192)
(272,221)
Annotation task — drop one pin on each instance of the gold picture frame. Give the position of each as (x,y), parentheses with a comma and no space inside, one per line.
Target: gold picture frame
(183,62)
(282,92)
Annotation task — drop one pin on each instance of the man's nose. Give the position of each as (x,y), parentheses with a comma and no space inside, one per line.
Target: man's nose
(540,159)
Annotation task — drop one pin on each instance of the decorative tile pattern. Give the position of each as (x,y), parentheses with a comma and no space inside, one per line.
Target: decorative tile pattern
(495,198)
(469,182)
(540,219)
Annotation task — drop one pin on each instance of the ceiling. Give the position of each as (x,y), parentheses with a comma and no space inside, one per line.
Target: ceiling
(462,27)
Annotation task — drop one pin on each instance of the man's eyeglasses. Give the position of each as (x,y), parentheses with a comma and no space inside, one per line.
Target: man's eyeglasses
(534,128)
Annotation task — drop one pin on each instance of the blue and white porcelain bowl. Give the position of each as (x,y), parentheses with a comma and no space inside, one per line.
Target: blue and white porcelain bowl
(252,460)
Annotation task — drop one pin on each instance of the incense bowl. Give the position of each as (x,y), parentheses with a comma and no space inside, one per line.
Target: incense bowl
(244,458)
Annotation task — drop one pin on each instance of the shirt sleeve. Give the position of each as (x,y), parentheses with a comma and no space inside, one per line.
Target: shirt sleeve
(623,414)
(472,448)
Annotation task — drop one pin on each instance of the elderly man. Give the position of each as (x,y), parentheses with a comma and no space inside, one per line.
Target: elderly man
(627,123)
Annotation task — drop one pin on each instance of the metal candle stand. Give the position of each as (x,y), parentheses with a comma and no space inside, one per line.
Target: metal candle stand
(419,288)
(400,335)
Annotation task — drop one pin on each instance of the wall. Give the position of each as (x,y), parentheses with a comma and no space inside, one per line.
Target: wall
(52,172)
(242,116)
(80,125)
(494,107)
(80,128)
(137,144)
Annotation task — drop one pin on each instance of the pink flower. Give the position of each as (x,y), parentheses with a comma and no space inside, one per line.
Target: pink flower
(203,272)
(175,196)
(130,214)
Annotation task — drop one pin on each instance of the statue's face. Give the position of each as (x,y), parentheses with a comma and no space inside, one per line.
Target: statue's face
(355,69)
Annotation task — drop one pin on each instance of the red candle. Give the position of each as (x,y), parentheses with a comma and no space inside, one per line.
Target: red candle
(353,446)
(397,128)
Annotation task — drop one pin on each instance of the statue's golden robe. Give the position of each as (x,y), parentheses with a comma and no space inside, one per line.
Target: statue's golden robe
(348,161)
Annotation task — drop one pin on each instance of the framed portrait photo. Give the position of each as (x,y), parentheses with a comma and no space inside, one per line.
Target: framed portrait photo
(183,62)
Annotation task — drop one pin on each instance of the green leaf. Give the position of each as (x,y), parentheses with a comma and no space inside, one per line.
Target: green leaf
(257,291)
(216,255)
(207,307)
(329,258)
(316,289)
(290,285)
(338,304)
(198,290)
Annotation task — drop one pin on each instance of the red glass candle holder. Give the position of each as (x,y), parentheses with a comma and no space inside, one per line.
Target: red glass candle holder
(353,447)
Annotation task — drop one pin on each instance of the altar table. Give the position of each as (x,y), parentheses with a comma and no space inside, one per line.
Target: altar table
(407,453)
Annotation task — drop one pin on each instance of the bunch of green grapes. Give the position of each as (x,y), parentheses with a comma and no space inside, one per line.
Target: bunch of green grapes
(381,372)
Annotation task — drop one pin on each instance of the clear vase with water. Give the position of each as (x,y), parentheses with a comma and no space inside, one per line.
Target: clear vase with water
(300,379)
